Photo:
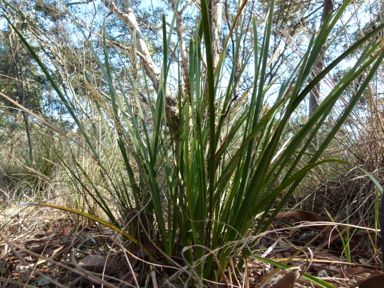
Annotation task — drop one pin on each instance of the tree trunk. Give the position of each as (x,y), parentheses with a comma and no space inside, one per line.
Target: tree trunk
(12,135)
(315,93)
(182,46)
(20,89)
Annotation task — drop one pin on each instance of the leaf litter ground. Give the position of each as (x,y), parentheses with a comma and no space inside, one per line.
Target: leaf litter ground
(41,247)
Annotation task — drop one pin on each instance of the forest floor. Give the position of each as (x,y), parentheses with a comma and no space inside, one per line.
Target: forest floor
(41,247)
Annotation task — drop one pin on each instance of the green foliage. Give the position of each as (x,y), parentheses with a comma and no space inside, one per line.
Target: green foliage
(207,182)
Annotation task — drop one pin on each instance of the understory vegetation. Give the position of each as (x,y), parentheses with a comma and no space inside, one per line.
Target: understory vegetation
(181,135)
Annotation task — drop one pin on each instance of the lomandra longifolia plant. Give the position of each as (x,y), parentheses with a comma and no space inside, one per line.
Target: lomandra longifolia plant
(207,175)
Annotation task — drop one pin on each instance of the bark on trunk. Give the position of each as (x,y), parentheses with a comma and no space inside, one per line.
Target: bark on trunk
(315,93)
(182,47)
(12,135)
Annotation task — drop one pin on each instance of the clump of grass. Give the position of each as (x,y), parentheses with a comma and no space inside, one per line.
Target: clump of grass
(33,179)
(200,187)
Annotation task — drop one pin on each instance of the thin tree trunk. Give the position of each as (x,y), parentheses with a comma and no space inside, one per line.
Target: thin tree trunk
(12,135)
(315,93)
(182,46)
(20,89)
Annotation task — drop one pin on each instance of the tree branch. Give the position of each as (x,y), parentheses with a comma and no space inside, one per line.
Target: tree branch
(153,72)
